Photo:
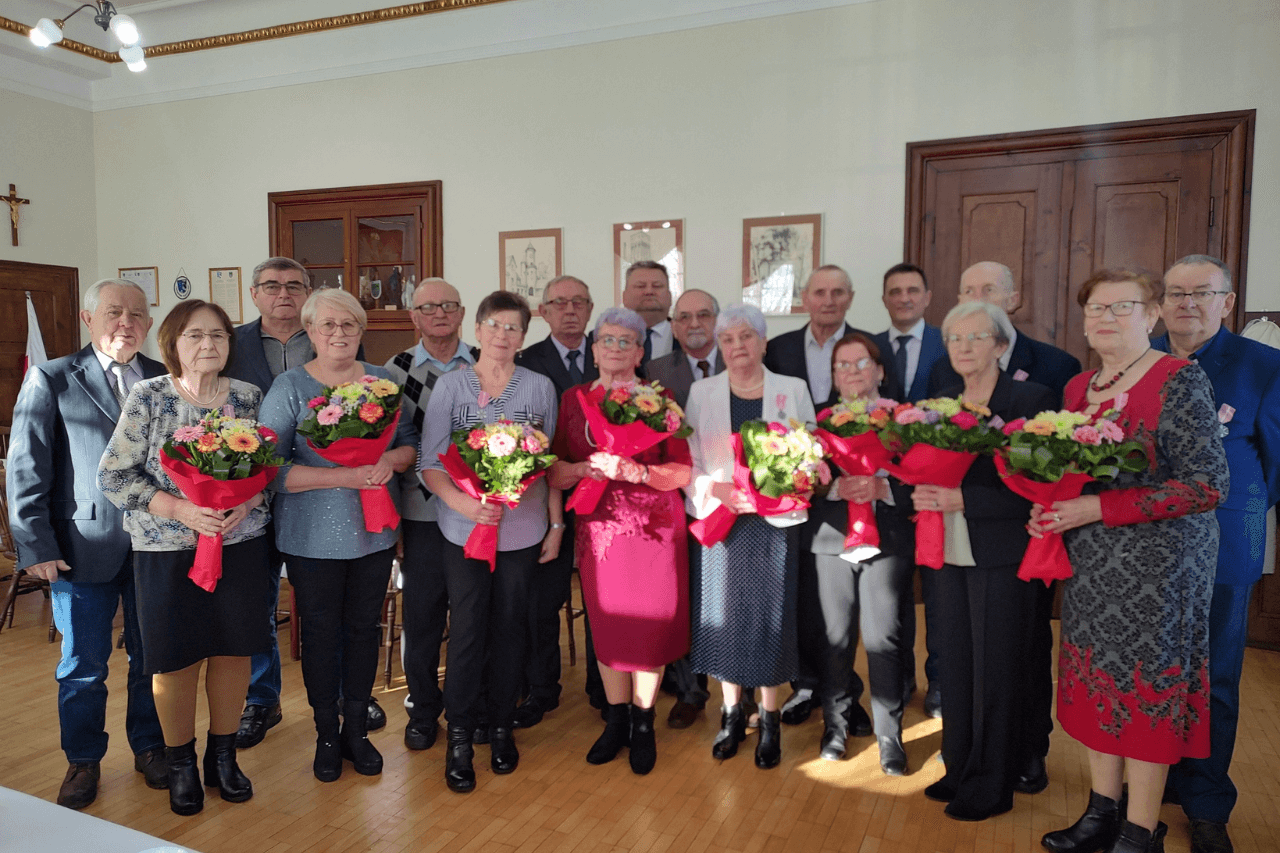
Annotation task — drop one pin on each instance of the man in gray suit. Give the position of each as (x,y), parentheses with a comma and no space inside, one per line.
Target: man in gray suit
(69,534)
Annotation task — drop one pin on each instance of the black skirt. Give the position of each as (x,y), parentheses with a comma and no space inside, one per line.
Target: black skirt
(182,624)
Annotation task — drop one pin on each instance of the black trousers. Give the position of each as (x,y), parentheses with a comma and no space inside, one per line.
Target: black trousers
(984,619)
(488,613)
(1040,689)
(426,612)
(846,600)
(549,591)
(340,603)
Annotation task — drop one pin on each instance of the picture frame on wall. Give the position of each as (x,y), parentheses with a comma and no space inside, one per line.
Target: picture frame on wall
(527,260)
(224,291)
(148,278)
(778,254)
(660,240)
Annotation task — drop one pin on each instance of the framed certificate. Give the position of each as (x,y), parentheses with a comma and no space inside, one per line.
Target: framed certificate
(224,291)
(147,278)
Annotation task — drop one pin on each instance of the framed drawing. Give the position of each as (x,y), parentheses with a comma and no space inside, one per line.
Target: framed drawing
(224,290)
(148,278)
(778,253)
(661,240)
(527,260)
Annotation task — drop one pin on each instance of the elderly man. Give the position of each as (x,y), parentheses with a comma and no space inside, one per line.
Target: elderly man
(1246,387)
(647,291)
(68,533)
(437,314)
(910,347)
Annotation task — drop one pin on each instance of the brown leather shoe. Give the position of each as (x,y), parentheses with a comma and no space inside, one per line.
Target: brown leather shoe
(80,787)
(682,715)
(153,767)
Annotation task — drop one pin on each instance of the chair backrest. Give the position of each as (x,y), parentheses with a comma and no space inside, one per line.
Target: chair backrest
(6,536)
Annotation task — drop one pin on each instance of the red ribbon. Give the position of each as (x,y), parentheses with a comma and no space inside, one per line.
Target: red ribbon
(1046,558)
(624,440)
(206,492)
(716,526)
(862,456)
(926,465)
(379,509)
(482,544)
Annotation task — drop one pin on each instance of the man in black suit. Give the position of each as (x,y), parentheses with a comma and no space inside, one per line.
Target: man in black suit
(565,358)
(647,291)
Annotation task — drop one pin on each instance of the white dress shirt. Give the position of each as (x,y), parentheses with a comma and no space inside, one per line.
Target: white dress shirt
(580,349)
(709,358)
(913,340)
(660,338)
(817,358)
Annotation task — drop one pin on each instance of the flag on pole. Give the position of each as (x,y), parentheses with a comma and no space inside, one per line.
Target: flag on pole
(35,341)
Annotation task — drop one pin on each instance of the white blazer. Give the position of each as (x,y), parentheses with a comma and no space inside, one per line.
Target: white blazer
(708,414)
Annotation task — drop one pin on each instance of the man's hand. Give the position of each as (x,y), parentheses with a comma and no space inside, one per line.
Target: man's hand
(48,571)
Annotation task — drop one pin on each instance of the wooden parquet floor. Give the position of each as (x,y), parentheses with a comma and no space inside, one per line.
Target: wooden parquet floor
(557,802)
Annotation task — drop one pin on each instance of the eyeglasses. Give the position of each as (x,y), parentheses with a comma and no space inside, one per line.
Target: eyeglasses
(218,338)
(860,364)
(349,328)
(686,317)
(273,288)
(429,308)
(1199,297)
(578,303)
(972,337)
(502,327)
(1123,308)
(620,344)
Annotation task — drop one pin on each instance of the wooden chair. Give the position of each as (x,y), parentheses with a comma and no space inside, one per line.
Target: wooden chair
(20,582)
(570,614)
(390,628)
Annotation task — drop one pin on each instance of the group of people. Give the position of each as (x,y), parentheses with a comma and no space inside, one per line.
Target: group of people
(1153,618)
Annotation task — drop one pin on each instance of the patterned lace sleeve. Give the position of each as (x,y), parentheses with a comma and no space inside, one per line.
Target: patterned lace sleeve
(122,474)
(1191,467)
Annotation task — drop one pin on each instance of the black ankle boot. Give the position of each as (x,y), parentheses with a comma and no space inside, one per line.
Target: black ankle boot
(503,755)
(617,734)
(1096,829)
(355,739)
(1139,839)
(459,775)
(733,731)
(769,747)
(221,770)
(327,766)
(186,797)
(644,748)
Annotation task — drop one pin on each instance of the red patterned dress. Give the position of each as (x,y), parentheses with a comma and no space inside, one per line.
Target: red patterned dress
(1133,675)
(633,554)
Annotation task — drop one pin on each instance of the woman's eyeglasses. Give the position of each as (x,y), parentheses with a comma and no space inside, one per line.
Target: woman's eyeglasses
(620,344)
(329,328)
(860,364)
(1123,308)
(972,337)
(219,338)
(502,327)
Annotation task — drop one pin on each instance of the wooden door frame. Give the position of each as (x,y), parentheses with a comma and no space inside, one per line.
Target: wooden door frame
(1236,125)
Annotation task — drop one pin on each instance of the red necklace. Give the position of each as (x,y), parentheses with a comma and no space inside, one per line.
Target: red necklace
(1114,379)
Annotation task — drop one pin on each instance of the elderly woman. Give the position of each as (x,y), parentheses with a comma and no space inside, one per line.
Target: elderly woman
(488,610)
(1135,613)
(985,611)
(338,569)
(182,625)
(744,593)
(845,595)
(632,549)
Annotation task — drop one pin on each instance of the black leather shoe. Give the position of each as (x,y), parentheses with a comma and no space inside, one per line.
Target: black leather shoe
(769,746)
(940,792)
(254,723)
(354,739)
(859,722)
(327,765)
(152,766)
(221,770)
(530,712)
(375,717)
(459,775)
(80,785)
(1210,837)
(421,734)
(186,797)
(504,757)
(644,747)
(797,708)
(893,757)
(733,731)
(933,702)
(1096,829)
(1034,777)
(682,715)
(1139,839)
(960,811)
(832,747)
(616,734)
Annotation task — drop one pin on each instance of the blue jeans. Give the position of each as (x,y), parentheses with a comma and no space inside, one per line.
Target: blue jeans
(264,675)
(83,613)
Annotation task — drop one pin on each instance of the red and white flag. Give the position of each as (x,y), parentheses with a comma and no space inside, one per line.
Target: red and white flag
(35,341)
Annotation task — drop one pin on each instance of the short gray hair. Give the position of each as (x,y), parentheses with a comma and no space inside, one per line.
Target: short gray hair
(624,317)
(848,282)
(715,303)
(336,298)
(93,295)
(739,313)
(1194,260)
(560,278)
(1000,325)
(279,264)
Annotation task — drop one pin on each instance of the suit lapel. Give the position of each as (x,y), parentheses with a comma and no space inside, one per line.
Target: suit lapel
(90,376)
(1021,358)
(550,358)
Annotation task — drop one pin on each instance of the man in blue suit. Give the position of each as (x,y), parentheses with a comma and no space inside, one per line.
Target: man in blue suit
(1246,387)
(67,533)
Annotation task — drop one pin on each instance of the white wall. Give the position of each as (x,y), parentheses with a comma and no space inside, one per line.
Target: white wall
(793,114)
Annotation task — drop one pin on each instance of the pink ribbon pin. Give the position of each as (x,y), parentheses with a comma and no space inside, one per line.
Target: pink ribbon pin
(1020,375)
(484,399)
(781,400)
(1225,414)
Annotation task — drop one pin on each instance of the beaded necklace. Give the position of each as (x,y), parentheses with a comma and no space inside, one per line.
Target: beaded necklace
(1114,379)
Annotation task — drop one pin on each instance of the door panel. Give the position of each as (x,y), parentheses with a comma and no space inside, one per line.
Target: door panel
(56,296)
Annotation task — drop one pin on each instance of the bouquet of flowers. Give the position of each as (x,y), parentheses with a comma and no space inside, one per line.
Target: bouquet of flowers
(849,433)
(938,440)
(219,464)
(495,462)
(777,466)
(626,420)
(1050,458)
(353,425)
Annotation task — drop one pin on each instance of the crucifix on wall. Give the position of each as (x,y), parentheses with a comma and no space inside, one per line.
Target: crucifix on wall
(13,201)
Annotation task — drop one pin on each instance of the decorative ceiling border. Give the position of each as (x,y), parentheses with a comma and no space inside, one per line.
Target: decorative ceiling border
(301,28)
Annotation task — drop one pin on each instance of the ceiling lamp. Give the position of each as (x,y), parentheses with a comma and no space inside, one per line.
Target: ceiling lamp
(47,32)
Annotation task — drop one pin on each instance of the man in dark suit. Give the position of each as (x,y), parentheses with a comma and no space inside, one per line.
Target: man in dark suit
(68,533)
(910,347)
(566,359)
(1246,385)
(647,291)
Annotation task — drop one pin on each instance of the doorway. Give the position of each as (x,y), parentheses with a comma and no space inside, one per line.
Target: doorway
(55,291)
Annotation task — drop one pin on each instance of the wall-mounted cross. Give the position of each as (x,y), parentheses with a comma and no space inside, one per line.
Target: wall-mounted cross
(13,201)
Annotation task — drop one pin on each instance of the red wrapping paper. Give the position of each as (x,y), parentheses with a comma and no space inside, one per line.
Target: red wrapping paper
(926,465)
(619,439)
(379,509)
(206,492)
(716,526)
(1046,558)
(860,456)
(482,544)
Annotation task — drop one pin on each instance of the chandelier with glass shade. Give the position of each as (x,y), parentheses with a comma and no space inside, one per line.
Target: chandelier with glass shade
(48,31)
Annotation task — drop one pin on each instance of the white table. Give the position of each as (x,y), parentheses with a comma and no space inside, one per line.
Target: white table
(30,824)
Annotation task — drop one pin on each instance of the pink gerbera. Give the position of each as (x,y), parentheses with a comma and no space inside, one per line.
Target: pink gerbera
(1086,434)
(501,444)
(329,415)
(187,433)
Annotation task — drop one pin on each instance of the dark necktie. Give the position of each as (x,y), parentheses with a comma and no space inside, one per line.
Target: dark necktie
(704,368)
(648,344)
(900,362)
(575,372)
(119,387)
